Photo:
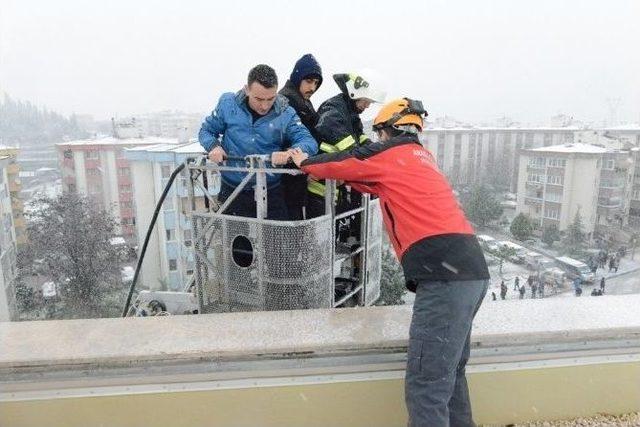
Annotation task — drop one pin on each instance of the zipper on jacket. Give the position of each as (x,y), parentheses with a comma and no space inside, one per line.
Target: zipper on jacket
(393,225)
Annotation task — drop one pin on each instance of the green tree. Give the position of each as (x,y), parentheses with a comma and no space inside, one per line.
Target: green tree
(575,236)
(70,236)
(25,297)
(392,286)
(550,234)
(521,227)
(481,206)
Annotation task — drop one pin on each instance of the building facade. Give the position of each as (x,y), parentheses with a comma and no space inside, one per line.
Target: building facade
(99,169)
(169,260)
(15,187)
(7,245)
(556,182)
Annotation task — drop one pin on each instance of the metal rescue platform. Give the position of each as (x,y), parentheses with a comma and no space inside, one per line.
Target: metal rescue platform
(257,264)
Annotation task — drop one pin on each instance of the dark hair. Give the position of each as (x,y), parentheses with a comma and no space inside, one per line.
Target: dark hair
(264,75)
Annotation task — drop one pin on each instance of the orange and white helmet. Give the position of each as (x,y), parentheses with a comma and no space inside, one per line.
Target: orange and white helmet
(365,84)
(403,113)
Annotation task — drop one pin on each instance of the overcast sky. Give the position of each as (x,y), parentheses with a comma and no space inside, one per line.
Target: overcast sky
(473,60)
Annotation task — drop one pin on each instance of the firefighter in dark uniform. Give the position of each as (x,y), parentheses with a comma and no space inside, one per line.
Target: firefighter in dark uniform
(339,129)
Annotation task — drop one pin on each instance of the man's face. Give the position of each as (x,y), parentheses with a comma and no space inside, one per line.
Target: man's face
(261,99)
(308,87)
(362,104)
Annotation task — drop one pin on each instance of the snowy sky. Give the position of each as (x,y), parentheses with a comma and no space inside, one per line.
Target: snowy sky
(474,60)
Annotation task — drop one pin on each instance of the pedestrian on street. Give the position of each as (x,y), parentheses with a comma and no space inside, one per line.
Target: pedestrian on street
(522,290)
(503,290)
(602,284)
(516,284)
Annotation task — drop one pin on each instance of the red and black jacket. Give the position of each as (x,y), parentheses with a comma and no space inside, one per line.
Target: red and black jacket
(428,229)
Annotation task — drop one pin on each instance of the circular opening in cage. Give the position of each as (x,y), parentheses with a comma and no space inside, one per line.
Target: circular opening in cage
(242,251)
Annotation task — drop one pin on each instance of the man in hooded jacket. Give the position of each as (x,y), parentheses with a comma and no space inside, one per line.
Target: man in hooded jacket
(304,81)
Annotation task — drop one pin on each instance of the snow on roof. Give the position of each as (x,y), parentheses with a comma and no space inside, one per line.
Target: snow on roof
(150,140)
(630,126)
(571,148)
(189,148)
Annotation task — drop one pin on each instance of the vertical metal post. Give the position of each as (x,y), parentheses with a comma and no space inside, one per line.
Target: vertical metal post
(364,244)
(195,238)
(330,209)
(259,251)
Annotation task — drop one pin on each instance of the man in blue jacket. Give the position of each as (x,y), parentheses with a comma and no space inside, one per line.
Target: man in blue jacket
(255,120)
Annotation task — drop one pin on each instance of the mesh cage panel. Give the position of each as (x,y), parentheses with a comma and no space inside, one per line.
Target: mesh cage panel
(374,253)
(245,264)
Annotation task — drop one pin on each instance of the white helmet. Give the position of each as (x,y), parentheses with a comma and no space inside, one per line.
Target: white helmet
(365,84)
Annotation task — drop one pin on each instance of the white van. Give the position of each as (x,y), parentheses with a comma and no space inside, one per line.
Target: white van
(575,269)
(536,261)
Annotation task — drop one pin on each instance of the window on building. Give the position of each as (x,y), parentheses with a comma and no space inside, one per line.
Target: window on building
(537,162)
(166,171)
(534,177)
(171,235)
(92,154)
(636,194)
(548,139)
(124,171)
(93,172)
(609,164)
(552,213)
(173,265)
(557,163)
(125,188)
(555,179)
(553,197)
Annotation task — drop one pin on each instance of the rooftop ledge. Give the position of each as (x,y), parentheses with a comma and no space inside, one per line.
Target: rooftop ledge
(531,360)
(500,328)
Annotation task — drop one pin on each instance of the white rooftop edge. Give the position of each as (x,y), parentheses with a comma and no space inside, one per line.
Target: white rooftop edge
(259,334)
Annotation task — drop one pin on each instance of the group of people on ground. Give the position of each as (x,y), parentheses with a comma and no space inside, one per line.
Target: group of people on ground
(535,283)
(435,243)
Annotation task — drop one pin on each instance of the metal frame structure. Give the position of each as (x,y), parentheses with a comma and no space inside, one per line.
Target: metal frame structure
(274,279)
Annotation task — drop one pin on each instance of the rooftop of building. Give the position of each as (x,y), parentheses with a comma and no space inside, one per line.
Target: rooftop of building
(111,141)
(577,148)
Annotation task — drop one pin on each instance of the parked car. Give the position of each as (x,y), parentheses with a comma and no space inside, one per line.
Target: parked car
(520,252)
(488,242)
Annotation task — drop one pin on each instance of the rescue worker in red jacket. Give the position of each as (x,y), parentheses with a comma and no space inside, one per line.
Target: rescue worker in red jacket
(440,255)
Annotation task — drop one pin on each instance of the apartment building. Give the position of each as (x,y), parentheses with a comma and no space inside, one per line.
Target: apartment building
(7,245)
(14,187)
(556,182)
(98,168)
(169,260)
(470,154)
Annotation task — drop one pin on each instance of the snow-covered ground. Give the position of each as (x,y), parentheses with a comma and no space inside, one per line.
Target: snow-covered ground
(625,281)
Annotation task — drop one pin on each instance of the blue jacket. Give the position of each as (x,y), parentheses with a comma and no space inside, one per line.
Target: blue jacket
(278,130)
